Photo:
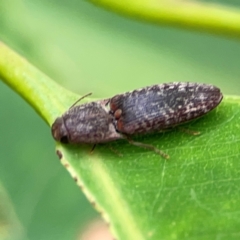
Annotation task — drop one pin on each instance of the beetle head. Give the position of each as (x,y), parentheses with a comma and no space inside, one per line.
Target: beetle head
(59,131)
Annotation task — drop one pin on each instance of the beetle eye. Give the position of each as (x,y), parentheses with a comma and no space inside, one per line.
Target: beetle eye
(64,139)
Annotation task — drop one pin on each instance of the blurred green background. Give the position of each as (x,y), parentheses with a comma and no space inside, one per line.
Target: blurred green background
(86,49)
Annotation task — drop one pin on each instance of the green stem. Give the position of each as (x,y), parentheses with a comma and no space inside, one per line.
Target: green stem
(213,18)
(35,87)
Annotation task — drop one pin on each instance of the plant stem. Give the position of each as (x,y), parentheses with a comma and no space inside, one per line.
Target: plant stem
(193,15)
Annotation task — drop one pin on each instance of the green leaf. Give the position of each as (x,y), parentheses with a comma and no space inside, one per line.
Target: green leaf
(194,195)
(195,15)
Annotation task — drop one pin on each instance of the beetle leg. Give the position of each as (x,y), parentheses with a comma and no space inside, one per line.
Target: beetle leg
(148,146)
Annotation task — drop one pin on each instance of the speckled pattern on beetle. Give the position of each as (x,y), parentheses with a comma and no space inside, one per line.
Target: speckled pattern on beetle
(162,106)
(141,111)
(86,123)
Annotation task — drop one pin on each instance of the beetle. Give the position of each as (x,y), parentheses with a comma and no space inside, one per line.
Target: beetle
(141,111)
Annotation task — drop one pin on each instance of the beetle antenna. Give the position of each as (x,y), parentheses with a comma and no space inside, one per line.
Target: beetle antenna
(86,95)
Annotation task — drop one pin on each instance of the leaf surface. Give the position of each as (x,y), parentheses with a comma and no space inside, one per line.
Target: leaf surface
(194,195)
